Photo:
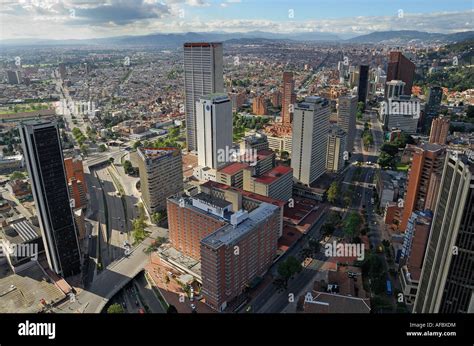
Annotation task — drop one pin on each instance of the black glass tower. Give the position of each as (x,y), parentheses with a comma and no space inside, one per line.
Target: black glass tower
(44,159)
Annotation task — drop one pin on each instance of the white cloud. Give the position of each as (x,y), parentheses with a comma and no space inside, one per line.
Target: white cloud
(123,17)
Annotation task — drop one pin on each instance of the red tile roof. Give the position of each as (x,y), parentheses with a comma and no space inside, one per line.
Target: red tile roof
(233,168)
(274,174)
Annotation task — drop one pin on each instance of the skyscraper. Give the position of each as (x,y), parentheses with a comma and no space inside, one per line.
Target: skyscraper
(394,88)
(259,106)
(435,96)
(401,68)
(363,86)
(335,149)
(203,74)
(447,280)
(76,181)
(289,97)
(161,176)
(346,118)
(14,76)
(214,125)
(309,143)
(439,130)
(432,106)
(427,162)
(45,163)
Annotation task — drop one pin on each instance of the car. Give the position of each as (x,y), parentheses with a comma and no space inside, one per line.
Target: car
(136,303)
(193,306)
(90,236)
(141,311)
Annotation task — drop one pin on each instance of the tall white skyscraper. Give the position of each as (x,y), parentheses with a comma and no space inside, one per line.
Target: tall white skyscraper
(214,128)
(203,75)
(346,118)
(309,144)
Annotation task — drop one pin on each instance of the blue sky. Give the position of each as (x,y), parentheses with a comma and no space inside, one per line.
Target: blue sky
(323,9)
(71,19)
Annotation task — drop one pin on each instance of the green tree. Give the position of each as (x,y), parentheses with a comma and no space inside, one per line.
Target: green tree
(284,155)
(352,224)
(115,309)
(17,175)
(84,149)
(385,160)
(333,192)
(157,217)
(102,148)
(127,166)
(137,144)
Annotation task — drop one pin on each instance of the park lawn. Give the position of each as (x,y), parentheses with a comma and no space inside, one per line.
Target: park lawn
(402,167)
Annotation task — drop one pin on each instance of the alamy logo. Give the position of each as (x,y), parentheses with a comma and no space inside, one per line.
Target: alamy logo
(21,250)
(336,249)
(401,107)
(77,107)
(37,329)
(236,155)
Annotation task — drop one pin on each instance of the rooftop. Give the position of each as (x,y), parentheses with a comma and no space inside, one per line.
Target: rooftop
(153,153)
(208,199)
(230,234)
(233,168)
(274,174)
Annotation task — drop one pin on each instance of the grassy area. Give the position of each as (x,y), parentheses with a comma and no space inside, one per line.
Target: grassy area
(402,167)
(26,108)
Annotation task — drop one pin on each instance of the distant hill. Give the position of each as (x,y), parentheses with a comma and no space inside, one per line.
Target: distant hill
(404,36)
(174,40)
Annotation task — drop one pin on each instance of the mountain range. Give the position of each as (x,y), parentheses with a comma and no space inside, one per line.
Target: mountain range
(176,39)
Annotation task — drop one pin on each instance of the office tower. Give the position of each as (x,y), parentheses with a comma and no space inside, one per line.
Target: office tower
(161,176)
(427,159)
(439,130)
(255,141)
(238,253)
(401,68)
(214,126)
(353,77)
(289,97)
(402,113)
(335,149)
(14,77)
(394,88)
(363,85)
(433,105)
(413,252)
(309,143)
(277,183)
(237,99)
(190,219)
(203,75)
(276,98)
(447,280)
(44,160)
(259,106)
(233,174)
(346,118)
(76,181)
